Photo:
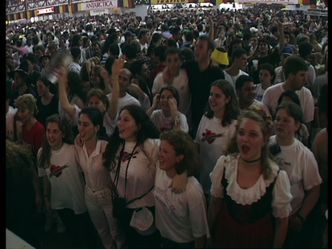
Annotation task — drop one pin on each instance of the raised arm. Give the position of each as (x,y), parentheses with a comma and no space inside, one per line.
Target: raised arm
(62,75)
(113,81)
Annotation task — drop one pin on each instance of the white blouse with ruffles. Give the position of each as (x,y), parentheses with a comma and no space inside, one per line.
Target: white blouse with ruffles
(281,202)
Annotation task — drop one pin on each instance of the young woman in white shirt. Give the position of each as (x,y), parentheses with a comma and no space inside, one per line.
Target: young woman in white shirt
(63,183)
(302,169)
(216,128)
(168,117)
(181,218)
(131,157)
(98,196)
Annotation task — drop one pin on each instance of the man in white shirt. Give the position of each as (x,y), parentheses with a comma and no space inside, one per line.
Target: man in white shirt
(239,62)
(295,70)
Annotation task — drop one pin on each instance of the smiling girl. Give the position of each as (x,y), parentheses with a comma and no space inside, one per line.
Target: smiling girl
(62,180)
(216,128)
(181,218)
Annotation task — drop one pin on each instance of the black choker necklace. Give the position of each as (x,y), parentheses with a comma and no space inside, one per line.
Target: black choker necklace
(251,161)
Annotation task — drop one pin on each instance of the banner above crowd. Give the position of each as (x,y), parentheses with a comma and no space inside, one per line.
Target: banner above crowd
(98,5)
(269,1)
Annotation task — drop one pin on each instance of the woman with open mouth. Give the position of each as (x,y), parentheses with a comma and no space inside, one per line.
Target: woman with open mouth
(250,196)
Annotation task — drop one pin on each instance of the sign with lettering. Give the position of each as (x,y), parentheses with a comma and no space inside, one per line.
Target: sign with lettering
(99,5)
(168,1)
(45,11)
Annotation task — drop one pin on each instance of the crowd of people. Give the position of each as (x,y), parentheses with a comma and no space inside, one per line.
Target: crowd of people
(182,129)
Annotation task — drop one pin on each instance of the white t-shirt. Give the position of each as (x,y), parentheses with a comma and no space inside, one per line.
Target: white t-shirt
(96,175)
(281,193)
(232,79)
(10,122)
(180,217)
(67,189)
(213,140)
(302,169)
(141,172)
(272,94)
(180,82)
(164,123)
(259,92)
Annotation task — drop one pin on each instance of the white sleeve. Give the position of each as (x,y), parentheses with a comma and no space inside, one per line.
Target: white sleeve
(197,210)
(157,82)
(40,170)
(281,203)
(308,107)
(183,123)
(198,132)
(266,100)
(217,190)
(311,176)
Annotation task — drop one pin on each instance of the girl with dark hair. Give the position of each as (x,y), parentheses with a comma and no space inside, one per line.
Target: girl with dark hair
(180,218)
(63,183)
(250,196)
(302,169)
(216,128)
(98,197)
(167,117)
(131,156)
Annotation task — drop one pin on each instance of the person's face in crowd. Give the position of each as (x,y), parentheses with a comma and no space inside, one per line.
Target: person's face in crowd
(285,125)
(39,53)
(124,79)
(247,93)
(241,62)
(54,135)
(94,101)
(145,38)
(24,114)
(168,159)
(298,80)
(250,139)
(173,62)
(263,48)
(265,76)
(42,89)
(165,96)
(127,126)
(287,38)
(217,99)
(86,128)
(202,51)
(95,78)
(18,79)
(45,61)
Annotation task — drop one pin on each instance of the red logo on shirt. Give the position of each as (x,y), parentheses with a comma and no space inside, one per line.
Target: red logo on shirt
(210,136)
(56,170)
